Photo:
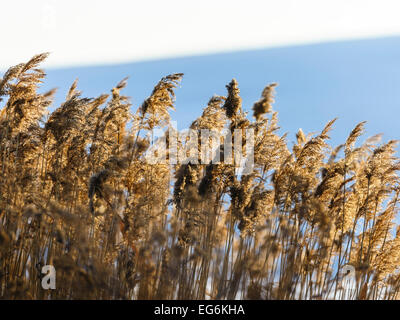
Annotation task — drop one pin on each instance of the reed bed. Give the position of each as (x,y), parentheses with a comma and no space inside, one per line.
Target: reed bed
(77,193)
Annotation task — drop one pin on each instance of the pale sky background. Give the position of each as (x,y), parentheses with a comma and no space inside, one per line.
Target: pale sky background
(113,31)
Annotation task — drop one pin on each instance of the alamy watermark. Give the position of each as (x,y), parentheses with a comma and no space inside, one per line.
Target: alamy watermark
(348,279)
(205,146)
(49,278)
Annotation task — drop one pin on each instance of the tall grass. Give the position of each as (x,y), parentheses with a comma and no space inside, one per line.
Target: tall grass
(76,193)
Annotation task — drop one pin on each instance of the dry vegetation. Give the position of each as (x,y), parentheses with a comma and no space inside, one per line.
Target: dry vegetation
(75,193)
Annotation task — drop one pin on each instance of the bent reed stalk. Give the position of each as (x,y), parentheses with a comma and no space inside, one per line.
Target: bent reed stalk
(76,193)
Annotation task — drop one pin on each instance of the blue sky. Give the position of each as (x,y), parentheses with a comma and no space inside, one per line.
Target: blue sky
(331,58)
(353,80)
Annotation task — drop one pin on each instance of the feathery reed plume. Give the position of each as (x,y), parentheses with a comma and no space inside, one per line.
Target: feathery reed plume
(76,192)
(264,105)
(233,102)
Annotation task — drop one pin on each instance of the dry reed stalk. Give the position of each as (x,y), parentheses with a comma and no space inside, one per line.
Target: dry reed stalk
(77,193)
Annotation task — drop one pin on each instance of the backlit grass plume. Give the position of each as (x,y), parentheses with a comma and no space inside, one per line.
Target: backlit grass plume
(76,192)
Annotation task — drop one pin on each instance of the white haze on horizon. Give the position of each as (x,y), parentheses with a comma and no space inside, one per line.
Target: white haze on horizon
(105,32)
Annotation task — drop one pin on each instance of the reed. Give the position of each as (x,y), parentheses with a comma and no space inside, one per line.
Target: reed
(77,193)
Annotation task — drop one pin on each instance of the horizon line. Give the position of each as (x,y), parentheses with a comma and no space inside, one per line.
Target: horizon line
(188,55)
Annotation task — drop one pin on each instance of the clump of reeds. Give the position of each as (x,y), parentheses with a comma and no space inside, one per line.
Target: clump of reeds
(77,193)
